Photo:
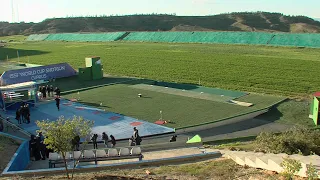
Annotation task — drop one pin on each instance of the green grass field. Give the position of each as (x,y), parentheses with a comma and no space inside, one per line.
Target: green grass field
(262,69)
(181,110)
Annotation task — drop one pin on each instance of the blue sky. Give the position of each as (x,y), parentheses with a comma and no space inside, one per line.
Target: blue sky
(38,10)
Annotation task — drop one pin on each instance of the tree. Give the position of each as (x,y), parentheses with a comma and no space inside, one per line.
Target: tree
(60,133)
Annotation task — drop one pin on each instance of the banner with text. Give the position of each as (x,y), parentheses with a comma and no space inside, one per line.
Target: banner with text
(48,72)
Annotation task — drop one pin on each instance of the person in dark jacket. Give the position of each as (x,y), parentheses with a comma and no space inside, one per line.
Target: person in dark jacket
(18,115)
(77,143)
(136,137)
(173,138)
(1,125)
(48,90)
(51,90)
(42,146)
(57,91)
(34,148)
(22,113)
(105,138)
(44,92)
(27,113)
(113,141)
(40,90)
(94,141)
(58,103)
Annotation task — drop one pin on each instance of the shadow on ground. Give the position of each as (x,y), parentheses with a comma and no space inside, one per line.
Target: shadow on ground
(12,53)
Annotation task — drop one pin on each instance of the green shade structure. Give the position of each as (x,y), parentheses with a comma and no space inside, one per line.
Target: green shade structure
(93,69)
(85,73)
(195,139)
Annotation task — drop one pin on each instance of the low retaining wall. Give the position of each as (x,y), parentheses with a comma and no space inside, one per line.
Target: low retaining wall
(125,165)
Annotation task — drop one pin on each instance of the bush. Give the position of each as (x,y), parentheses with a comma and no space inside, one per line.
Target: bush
(296,140)
(290,167)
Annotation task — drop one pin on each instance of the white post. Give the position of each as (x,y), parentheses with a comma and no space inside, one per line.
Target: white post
(7,58)
(28,59)
(160,115)
(199,82)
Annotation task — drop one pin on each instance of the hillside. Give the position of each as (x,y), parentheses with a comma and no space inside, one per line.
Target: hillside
(244,21)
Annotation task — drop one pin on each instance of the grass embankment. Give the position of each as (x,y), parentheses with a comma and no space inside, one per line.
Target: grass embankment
(262,69)
(17,38)
(219,169)
(7,149)
(290,112)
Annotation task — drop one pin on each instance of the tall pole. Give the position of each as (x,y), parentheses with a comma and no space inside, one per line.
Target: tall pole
(17,18)
(12,8)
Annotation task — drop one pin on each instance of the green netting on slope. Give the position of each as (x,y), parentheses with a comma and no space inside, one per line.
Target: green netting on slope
(308,40)
(203,37)
(85,37)
(37,37)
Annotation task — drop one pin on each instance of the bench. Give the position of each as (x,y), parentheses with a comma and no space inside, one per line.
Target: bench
(96,155)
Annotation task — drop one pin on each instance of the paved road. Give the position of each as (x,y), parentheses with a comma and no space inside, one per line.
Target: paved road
(242,128)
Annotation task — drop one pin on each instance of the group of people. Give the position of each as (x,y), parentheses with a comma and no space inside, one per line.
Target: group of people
(23,113)
(135,138)
(111,142)
(107,142)
(37,148)
(48,91)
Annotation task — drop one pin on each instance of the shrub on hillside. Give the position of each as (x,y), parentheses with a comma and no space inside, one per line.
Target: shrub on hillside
(298,140)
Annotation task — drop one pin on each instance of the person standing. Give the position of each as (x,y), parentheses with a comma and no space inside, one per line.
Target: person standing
(40,90)
(27,113)
(44,92)
(77,140)
(48,90)
(136,137)
(51,90)
(18,116)
(32,147)
(58,103)
(57,91)
(94,141)
(105,138)
(113,141)
(42,147)
(22,113)
(1,125)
